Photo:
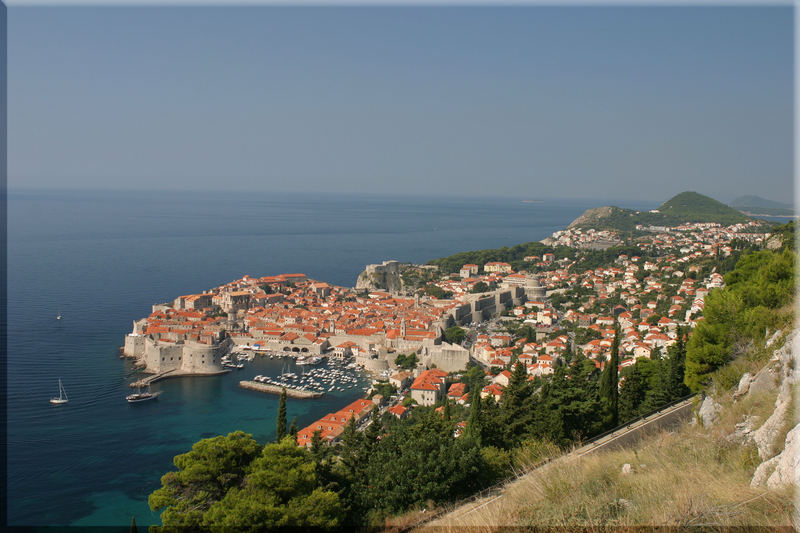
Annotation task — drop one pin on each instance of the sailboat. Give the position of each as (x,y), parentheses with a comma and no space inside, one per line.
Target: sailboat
(62,395)
(58,316)
(140,396)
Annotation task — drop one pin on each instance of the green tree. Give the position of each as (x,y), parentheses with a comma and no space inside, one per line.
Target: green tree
(293,429)
(454,335)
(281,490)
(479,287)
(609,383)
(204,476)
(676,369)
(631,395)
(516,411)
(280,427)
(418,462)
(134,529)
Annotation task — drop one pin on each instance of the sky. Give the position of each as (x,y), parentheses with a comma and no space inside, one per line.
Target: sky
(635,103)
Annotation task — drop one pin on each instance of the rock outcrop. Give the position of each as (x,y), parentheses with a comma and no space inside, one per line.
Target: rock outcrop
(780,459)
(593,215)
(382,277)
(709,411)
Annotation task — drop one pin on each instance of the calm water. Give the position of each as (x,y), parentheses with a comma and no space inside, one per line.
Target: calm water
(102,259)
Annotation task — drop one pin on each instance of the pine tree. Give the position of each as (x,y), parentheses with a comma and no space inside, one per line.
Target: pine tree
(281,423)
(609,384)
(631,395)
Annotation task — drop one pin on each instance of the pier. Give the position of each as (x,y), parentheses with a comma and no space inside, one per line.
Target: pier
(174,373)
(275,389)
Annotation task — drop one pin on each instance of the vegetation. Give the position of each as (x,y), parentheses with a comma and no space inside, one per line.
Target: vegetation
(407,362)
(513,255)
(479,288)
(437,292)
(280,425)
(454,335)
(762,206)
(754,299)
(684,207)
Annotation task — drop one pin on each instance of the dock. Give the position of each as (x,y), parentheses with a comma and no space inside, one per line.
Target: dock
(275,389)
(174,373)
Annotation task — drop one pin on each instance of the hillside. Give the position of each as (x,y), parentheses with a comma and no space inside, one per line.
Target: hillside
(762,206)
(732,465)
(684,207)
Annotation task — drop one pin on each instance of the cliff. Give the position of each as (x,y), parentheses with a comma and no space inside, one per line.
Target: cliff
(383,277)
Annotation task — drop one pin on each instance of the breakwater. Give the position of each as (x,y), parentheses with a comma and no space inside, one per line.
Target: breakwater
(274,389)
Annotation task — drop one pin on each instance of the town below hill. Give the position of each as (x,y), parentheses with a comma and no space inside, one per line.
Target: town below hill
(480,361)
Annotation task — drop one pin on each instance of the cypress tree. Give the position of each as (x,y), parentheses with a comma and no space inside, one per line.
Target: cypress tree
(281,423)
(293,429)
(677,369)
(473,429)
(373,431)
(134,529)
(609,383)
(446,413)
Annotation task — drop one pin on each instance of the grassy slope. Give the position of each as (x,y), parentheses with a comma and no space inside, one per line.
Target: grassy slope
(692,476)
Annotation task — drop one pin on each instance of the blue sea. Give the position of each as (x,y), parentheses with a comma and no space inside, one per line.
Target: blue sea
(102,258)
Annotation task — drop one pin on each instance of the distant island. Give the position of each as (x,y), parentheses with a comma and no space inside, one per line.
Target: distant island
(755,205)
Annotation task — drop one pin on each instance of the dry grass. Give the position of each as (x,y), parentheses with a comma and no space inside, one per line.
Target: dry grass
(690,477)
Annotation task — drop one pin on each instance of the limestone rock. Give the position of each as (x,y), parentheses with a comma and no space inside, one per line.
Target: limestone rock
(744,385)
(743,432)
(765,379)
(709,411)
(626,469)
(765,436)
(787,464)
(773,338)
(763,472)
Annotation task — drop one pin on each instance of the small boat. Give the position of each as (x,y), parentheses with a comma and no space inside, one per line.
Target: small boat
(139,396)
(62,394)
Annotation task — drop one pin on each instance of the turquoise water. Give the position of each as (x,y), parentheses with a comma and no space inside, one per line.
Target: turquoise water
(102,259)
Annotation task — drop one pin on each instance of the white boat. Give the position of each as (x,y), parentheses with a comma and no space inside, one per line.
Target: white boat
(62,394)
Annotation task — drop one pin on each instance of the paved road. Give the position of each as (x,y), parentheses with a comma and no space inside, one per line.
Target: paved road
(669,417)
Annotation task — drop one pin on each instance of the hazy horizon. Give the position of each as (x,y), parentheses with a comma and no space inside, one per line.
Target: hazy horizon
(632,104)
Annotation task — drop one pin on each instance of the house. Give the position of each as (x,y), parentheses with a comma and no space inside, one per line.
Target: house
(399,411)
(428,388)
(456,390)
(497,266)
(494,390)
(401,380)
(503,378)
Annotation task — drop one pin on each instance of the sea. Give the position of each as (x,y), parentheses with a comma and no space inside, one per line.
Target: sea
(101,259)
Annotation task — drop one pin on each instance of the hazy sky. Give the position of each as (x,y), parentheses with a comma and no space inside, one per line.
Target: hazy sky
(634,103)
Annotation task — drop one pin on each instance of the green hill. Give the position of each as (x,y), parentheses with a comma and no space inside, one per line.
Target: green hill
(684,207)
(762,206)
(694,207)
